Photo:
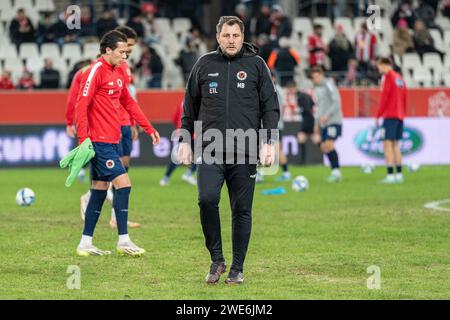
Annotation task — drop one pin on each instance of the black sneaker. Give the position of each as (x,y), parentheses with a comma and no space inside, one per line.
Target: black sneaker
(216,270)
(235,277)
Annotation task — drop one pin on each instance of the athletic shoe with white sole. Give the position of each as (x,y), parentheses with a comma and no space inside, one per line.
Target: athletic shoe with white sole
(164,182)
(91,250)
(189,179)
(129,249)
(390,179)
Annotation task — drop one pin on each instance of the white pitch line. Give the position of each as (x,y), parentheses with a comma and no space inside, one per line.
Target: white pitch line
(435,205)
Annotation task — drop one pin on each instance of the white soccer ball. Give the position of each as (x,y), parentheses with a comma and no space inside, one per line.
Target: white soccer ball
(300,183)
(367,168)
(413,167)
(25,197)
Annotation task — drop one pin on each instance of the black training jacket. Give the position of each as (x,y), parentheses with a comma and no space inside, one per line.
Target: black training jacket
(236,93)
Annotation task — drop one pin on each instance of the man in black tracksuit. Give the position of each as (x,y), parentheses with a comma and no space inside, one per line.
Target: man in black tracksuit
(230,88)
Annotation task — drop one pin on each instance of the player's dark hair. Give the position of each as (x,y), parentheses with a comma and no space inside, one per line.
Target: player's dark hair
(129,32)
(384,60)
(110,40)
(291,84)
(229,20)
(317,69)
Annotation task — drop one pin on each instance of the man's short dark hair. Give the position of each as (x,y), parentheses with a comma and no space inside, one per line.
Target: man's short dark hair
(317,69)
(317,26)
(229,20)
(110,40)
(384,60)
(129,32)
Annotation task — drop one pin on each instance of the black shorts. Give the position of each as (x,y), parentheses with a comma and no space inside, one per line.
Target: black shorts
(392,129)
(331,132)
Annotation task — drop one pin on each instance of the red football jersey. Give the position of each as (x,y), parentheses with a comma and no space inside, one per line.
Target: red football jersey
(392,103)
(102,95)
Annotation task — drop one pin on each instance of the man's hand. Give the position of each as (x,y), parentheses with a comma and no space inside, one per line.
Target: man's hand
(134,133)
(323,120)
(267,155)
(184,154)
(155,137)
(70,131)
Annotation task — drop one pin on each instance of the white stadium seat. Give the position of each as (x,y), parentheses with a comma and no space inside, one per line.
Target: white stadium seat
(423,75)
(325,22)
(163,24)
(45,5)
(34,64)
(302,27)
(438,43)
(411,61)
(5,4)
(50,50)
(91,50)
(72,52)
(181,25)
(28,50)
(432,61)
(347,25)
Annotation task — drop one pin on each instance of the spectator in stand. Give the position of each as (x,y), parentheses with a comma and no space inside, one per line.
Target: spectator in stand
(423,41)
(265,46)
(187,58)
(426,13)
(21,29)
(404,11)
(135,23)
(263,24)
(26,82)
(241,13)
(281,25)
(316,47)
(403,41)
(105,23)
(50,77)
(197,40)
(283,61)
(152,34)
(365,53)
(151,67)
(88,29)
(5,81)
(45,33)
(340,52)
(62,33)
(446,8)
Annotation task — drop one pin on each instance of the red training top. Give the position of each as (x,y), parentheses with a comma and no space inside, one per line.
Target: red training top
(100,100)
(392,104)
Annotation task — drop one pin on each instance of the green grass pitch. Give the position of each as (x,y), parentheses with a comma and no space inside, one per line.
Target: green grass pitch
(312,245)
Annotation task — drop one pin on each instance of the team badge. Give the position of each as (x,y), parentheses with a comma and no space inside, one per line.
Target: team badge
(242,75)
(110,164)
(119,82)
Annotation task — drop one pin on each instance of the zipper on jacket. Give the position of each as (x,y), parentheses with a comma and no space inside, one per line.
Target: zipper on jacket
(227,96)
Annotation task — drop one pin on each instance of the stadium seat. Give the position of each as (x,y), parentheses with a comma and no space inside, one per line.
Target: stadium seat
(447,40)
(446,80)
(5,4)
(411,61)
(302,27)
(50,50)
(11,63)
(181,25)
(432,61)
(423,75)
(91,50)
(357,23)
(438,43)
(72,52)
(45,5)
(34,64)
(137,51)
(8,50)
(443,22)
(163,24)
(7,14)
(384,49)
(326,24)
(26,4)
(28,50)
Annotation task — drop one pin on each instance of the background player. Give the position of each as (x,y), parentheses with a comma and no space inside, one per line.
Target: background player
(329,118)
(102,92)
(392,108)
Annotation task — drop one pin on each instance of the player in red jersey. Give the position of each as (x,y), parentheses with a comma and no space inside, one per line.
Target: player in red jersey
(392,108)
(100,100)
